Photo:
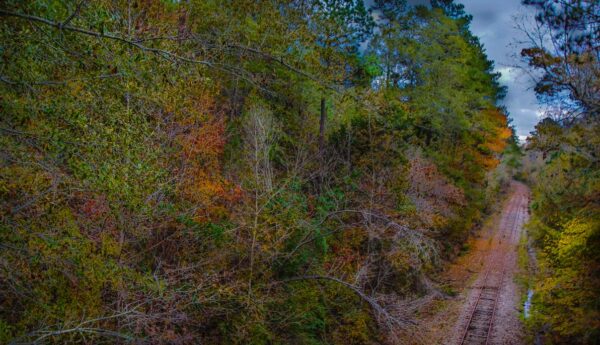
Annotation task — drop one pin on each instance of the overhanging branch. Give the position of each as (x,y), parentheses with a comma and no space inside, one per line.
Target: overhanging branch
(378,310)
(62,26)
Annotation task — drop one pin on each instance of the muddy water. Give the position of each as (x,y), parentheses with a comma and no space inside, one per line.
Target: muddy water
(527,304)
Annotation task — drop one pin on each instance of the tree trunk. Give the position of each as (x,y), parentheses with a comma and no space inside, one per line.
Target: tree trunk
(322,127)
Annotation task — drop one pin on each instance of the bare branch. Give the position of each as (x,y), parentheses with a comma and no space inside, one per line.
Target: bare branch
(55,82)
(381,313)
(366,215)
(159,52)
(69,18)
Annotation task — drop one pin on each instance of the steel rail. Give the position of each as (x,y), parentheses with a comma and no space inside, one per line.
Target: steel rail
(507,227)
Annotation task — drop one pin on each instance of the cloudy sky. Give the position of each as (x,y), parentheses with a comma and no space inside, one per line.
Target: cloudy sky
(494,23)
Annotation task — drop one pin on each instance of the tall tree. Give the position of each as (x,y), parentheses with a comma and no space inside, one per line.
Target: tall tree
(564,57)
(565,48)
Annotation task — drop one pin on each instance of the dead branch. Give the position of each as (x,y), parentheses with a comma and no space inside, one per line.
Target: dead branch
(381,314)
(56,82)
(61,26)
(404,230)
(74,14)
(81,328)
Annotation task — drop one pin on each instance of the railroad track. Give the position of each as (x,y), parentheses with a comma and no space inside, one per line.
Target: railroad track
(481,319)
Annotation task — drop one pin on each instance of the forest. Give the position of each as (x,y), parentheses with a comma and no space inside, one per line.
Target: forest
(280,171)
(563,167)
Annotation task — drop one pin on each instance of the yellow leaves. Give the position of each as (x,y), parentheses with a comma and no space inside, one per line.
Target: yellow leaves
(210,186)
(23,179)
(353,329)
(500,131)
(489,162)
(24,188)
(574,238)
(495,138)
(498,143)
(109,246)
(505,133)
(439,221)
(75,88)
(402,260)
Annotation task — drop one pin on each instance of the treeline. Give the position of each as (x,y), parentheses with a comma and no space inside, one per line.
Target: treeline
(237,171)
(564,168)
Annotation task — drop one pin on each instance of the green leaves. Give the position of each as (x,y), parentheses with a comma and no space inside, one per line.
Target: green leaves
(173,182)
(565,228)
(372,65)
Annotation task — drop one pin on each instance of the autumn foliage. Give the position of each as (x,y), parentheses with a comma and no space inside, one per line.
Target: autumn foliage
(176,172)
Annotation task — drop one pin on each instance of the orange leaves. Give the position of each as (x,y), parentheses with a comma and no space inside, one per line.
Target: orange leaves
(505,133)
(496,138)
(499,144)
(203,139)
(489,162)
(202,142)
(95,208)
(200,124)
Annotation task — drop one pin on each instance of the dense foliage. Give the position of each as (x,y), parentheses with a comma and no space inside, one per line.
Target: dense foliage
(236,171)
(565,150)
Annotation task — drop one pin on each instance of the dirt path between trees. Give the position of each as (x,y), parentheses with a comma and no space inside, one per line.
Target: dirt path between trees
(486,307)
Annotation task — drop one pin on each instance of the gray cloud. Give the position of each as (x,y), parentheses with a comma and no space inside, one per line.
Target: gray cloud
(494,23)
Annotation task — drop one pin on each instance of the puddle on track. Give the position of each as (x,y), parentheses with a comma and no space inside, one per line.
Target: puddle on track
(527,304)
